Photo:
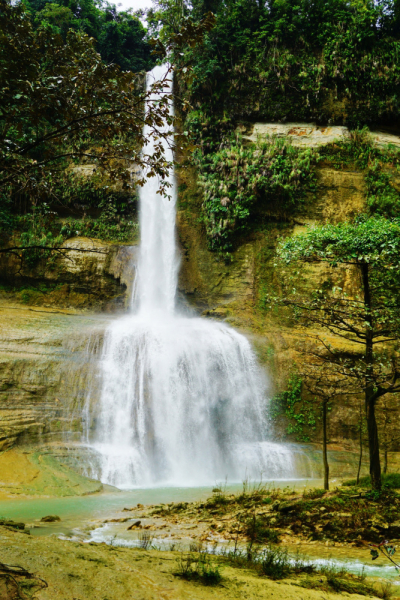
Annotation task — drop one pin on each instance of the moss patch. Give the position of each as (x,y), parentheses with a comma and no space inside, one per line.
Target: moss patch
(26,473)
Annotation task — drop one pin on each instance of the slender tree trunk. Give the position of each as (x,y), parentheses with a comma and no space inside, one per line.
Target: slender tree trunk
(324,444)
(370,398)
(385,461)
(373,440)
(361,448)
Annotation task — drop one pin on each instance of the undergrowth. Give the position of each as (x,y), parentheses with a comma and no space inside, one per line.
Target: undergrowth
(389,481)
(242,185)
(237,181)
(276,563)
(198,567)
(299,413)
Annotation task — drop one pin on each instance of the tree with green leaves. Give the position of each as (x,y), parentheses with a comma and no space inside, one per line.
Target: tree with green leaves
(120,36)
(61,106)
(368,320)
(318,60)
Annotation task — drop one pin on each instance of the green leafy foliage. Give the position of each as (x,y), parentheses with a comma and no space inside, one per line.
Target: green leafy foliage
(62,109)
(329,61)
(120,36)
(92,210)
(380,166)
(257,530)
(298,411)
(375,241)
(369,319)
(314,493)
(383,192)
(60,104)
(275,563)
(390,481)
(239,181)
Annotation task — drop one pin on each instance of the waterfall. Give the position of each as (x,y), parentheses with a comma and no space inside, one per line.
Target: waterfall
(182,399)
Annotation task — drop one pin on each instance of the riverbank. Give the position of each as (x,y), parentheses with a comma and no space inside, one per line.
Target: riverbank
(79,571)
(143,549)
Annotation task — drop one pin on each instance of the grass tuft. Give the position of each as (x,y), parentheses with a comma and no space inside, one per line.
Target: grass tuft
(313,494)
(390,481)
(145,540)
(198,567)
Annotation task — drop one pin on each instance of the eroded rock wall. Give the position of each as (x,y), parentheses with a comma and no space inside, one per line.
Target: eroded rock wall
(84,273)
(46,343)
(235,291)
(45,368)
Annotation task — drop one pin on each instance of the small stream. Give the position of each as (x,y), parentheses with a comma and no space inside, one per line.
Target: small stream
(82,519)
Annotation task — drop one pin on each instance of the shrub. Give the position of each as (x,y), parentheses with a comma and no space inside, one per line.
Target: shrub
(390,481)
(275,563)
(272,175)
(258,531)
(198,568)
(313,494)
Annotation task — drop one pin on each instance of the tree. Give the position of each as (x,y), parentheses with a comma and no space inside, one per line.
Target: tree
(166,17)
(122,40)
(120,37)
(361,432)
(60,105)
(369,320)
(326,387)
(387,425)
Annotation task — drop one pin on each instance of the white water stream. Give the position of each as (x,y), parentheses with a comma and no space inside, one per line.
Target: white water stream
(183,400)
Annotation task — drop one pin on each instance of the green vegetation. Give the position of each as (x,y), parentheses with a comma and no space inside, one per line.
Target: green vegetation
(370,320)
(310,60)
(120,36)
(245,186)
(262,513)
(198,567)
(62,108)
(276,563)
(298,411)
(239,182)
(90,210)
(259,532)
(313,493)
(379,165)
(389,481)
(347,514)
(72,122)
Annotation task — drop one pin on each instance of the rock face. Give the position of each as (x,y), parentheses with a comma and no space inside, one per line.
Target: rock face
(234,292)
(45,358)
(85,273)
(309,135)
(39,473)
(47,338)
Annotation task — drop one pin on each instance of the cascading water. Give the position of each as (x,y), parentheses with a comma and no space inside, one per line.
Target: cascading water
(182,399)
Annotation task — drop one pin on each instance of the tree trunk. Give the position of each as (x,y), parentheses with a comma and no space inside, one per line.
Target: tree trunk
(324,443)
(373,440)
(370,398)
(385,461)
(361,447)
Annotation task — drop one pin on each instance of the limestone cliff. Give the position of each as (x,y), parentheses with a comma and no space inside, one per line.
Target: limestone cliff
(45,352)
(84,273)
(234,291)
